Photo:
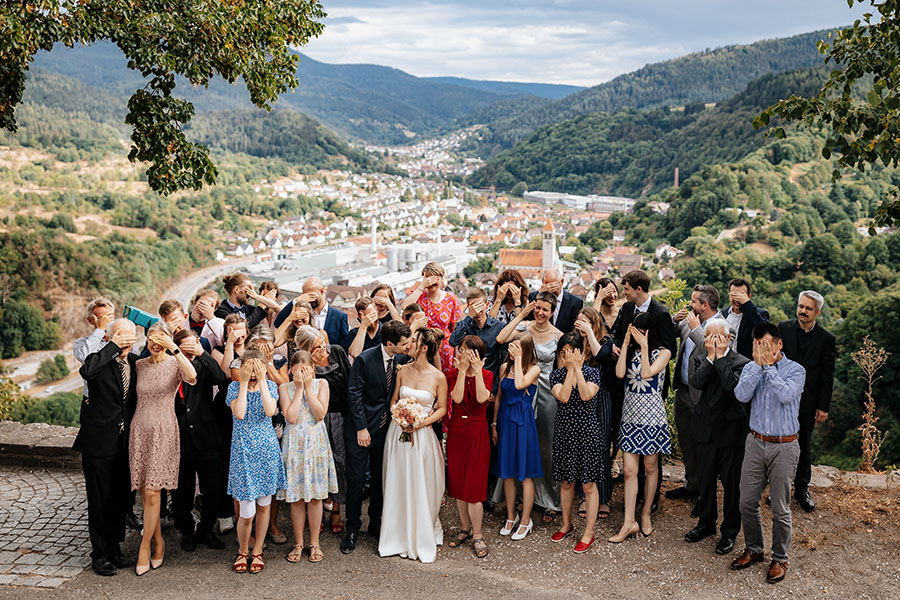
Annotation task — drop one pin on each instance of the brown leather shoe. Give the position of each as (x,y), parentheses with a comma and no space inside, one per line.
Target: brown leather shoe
(746,559)
(777,571)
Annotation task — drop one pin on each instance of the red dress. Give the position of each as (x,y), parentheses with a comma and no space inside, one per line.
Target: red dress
(468,443)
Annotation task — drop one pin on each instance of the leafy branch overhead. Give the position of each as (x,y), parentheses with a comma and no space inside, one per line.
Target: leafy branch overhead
(162,39)
(862,129)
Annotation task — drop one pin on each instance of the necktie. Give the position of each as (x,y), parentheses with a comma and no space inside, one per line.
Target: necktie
(126,377)
(389,374)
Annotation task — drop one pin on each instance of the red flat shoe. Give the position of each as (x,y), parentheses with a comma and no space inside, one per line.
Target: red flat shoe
(561,535)
(581,547)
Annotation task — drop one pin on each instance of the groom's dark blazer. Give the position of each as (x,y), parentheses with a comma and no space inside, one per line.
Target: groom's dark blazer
(367,394)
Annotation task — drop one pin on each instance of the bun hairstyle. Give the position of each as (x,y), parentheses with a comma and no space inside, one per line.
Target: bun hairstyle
(234,280)
(431,338)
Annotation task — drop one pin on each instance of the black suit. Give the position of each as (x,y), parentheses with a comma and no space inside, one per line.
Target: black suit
(568,311)
(752,316)
(103,443)
(368,396)
(254,314)
(815,351)
(719,426)
(665,331)
(200,439)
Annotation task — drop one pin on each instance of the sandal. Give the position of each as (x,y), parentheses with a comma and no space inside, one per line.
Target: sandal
(481,548)
(336,525)
(549,515)
(296,554)
(582,511)
(256,564)
(603,513)
(315,554)
(240,563)
(461,537)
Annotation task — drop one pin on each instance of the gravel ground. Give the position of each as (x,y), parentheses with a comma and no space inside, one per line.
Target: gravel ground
(848,548)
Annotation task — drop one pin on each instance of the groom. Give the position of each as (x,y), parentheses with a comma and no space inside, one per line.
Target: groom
(371,385)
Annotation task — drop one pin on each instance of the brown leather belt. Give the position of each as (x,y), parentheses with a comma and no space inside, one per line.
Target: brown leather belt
(775,439)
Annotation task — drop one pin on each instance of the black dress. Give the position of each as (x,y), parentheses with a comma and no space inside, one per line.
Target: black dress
(578,451)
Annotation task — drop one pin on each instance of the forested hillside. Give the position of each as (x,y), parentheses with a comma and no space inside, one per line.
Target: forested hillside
(631,153)
(708,76)
(361,102)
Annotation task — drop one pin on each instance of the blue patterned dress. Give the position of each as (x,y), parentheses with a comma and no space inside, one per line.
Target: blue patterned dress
(256,467)
(308,463)
(644,428)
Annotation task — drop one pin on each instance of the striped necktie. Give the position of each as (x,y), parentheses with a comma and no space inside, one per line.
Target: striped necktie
(389,374)
(126,377)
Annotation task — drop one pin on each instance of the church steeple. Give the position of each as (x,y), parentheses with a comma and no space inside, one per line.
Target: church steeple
(548,259)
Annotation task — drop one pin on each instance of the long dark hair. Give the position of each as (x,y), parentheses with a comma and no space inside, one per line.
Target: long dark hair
(529,358)
(516,277)
(573,339)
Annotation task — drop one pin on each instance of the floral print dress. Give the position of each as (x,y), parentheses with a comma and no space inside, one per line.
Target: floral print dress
(644,428)
(308,462)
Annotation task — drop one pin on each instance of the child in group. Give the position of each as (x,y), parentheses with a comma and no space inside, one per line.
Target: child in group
(308,462)
(256,470)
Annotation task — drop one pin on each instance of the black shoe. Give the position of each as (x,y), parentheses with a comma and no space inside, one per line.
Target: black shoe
(725,545)
(681,492)
(119,560)
(188,542)
(348,544)
(132,521)
(210,540)
(698,533)
(488,505)
(102,566)
(805,502)
(695,512)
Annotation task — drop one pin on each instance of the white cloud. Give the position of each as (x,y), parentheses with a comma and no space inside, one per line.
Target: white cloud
(582,42)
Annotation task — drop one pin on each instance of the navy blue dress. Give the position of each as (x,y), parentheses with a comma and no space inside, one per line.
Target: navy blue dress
(578,453)
(518,454)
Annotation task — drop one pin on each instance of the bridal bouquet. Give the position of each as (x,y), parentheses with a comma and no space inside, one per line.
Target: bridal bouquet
(408,413)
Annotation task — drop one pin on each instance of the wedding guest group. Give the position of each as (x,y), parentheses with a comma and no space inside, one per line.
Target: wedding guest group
(522,397)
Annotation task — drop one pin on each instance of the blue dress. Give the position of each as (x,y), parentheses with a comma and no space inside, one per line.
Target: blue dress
(578,453)
(256,467)
(518,454)
(644,429)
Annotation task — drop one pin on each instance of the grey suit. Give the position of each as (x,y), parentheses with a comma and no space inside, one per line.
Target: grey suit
(686,398)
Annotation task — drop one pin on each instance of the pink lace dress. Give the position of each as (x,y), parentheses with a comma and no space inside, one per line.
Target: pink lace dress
(154,445)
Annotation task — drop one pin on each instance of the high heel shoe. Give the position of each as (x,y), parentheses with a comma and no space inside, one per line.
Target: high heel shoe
(519,534)
(157,563)
(509,526)
(620,537)
(141,569)
(647,532)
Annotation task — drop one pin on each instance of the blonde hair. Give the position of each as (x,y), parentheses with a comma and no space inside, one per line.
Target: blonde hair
(97,303)
(433,269)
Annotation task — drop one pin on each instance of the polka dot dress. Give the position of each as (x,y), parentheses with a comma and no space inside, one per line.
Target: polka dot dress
(577,454)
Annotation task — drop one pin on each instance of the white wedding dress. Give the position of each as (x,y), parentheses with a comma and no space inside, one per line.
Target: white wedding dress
(413,487)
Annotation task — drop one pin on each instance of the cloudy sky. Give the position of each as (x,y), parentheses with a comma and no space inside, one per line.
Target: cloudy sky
(582,42)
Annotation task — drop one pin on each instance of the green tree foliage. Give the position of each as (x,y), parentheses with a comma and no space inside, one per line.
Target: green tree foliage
(483,264)
(52,369)
(861,131)
(194,39)
(24,327)
(61,408)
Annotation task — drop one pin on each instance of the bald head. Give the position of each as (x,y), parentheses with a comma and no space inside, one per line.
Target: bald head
(313,284)
(123,325)
(551,281)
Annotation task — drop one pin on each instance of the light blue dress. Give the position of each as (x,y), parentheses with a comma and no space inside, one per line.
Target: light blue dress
(256,467)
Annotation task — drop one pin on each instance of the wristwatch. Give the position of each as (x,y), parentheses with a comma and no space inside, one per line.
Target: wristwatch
(176,352)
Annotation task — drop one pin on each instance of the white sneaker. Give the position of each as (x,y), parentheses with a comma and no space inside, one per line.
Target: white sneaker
(507,528)
(519,534)
(226,524)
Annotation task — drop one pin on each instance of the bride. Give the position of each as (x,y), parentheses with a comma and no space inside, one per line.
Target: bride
(414,471)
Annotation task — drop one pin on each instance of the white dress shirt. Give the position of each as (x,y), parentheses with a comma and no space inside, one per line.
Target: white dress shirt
(320,317)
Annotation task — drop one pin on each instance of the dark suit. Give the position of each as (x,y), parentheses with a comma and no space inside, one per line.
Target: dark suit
(752,316)
(665,330)
(686,398)
(200,455)
(568,311)
(719,428)
(103,443)
(815,352)
(254,314)
(368,396)
(335,324)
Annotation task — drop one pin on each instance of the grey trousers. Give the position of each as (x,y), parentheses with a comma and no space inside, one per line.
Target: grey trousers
(774,464)
(684,412)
